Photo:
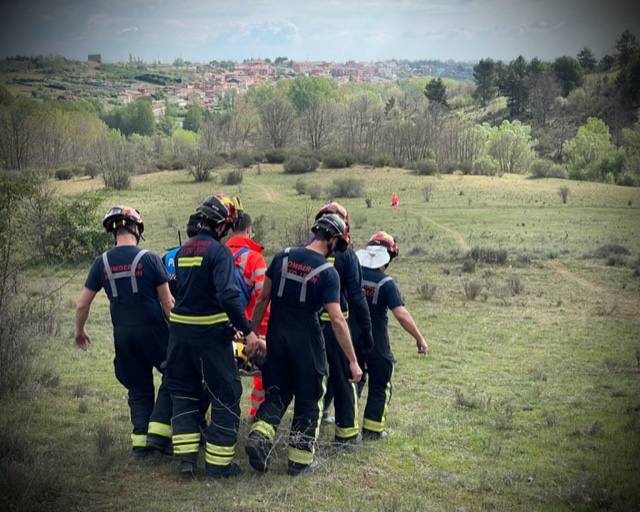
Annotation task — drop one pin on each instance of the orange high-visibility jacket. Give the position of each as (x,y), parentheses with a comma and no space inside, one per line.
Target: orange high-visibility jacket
(253,267)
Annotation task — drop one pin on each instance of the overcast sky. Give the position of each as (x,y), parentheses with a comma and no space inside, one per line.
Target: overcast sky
(202,30)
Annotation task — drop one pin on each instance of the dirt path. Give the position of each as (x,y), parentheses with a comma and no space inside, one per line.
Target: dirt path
(560,269)
(457,236)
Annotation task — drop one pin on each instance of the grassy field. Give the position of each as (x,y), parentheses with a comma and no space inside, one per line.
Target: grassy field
(529,398)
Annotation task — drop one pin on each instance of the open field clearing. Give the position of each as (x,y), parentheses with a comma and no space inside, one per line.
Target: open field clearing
(528,400)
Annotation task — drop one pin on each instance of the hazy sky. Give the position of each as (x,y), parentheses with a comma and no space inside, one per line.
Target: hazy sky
(201,30)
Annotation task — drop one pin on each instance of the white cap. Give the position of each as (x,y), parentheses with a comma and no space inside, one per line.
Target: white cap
(374,256)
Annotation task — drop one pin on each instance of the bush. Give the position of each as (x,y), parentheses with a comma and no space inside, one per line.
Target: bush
(469,265)
(563,192)
(201,163)
(427,167)
(485,166)
(628,180)
(466,167)
(604,251)
(301,186)
(337,160)
(382,160)
(64,173)
(427,192)
(244,159)
(515,285)
(616,260)
(233,177)
(472,289)
(300,164)
(276,156)
(347,187)
(547,169)
(427,291)
(489,255)
(398,162)
(91,170)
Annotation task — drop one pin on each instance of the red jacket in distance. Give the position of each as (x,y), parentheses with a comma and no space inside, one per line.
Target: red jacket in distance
(253,267)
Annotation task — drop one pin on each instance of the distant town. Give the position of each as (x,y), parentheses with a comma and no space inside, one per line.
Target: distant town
(182,83)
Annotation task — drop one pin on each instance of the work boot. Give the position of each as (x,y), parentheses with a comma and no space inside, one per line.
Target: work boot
(296,469)
(138,454)
(327,419)
(187,470)
(155,446)
(369,435)
(349,442)
(258,449)
(218,472)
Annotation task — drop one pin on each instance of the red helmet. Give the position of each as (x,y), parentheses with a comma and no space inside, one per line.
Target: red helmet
(336,208)
(122,217)
(386,240)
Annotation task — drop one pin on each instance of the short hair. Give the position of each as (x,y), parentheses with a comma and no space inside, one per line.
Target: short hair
(322,234)
(243,222)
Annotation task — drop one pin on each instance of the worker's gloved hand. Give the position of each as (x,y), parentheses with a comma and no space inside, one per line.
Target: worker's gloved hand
(366,341)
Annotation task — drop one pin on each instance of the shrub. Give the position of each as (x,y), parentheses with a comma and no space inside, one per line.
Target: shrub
(489,255)
(426,291)
(472,289)
(301,186)
(628,180)
(337,160)
(275,156)
(563,192)
(300,164)
(347,187)
(427,167)
(547,169)
(616,260)
(368,201)
(382,160)
(233,177)
(91,170)
(466,167)
(398,162)
(469,265)
(515,285)
(485,166)
(244,159)
(316,192)
(604,251)
(201,163)
(64,173)
(427,192)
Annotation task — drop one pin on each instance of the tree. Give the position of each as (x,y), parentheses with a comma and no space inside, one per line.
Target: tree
(193,119)
(306,90)
(568,72)
(626,45)
(17,124)
(511,145)
(536,67)
(277,118)
(144,122)
(6,98)
(543,91)
(628,80)
(586,152)
(115,159)
(587,60)
(516,86)
(484,75)
(436,92)
(606,63)
(318,122)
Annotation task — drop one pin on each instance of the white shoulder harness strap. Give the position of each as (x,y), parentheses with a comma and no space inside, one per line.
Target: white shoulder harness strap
(285,274)
(131,273)
(376,287)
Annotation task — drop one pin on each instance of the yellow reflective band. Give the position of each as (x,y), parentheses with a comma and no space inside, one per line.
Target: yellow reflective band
(159,429)
(347,432)
(224,451)
(181,449)
(325,316)
(189,261)
(139,440)
(320,409)
(374,426)
(331,259)
(265,429)
(300,456)
(218,318)
(186,438)
(216,460)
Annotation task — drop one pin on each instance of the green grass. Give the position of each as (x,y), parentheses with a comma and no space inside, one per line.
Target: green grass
(525,402)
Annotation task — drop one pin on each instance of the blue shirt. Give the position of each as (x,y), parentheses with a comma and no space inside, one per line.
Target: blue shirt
(127,308)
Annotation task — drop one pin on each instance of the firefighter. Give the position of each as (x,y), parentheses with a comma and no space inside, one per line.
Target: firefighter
(252,267)
(352,300)
(136,284)
(200,347)
(299,283)
(382,293)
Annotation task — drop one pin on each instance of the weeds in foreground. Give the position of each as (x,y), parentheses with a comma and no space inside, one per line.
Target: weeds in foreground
(472,289)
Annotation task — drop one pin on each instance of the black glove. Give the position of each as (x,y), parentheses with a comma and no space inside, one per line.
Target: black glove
(366,341)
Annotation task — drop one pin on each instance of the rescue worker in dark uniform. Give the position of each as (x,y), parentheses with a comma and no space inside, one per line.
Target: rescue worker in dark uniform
(200,348)
(136,285)
(382,294)
(299,283)
(352,301)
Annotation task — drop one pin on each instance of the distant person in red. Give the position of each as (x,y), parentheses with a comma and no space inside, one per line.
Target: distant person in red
(395,201)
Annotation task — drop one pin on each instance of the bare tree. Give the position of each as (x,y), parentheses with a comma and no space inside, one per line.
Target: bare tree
(278,119)
(115,159)
(16,133)
(318,122)
(543,91)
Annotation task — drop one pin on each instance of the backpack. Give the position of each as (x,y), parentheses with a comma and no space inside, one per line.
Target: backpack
(245,290)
